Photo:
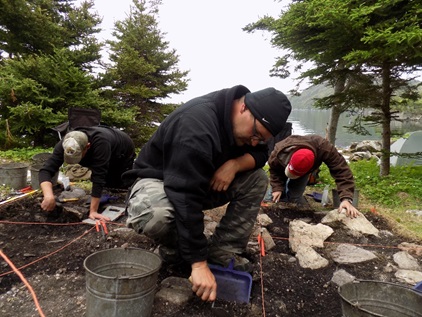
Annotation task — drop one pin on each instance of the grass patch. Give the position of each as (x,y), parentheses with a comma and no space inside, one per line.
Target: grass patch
(392,196)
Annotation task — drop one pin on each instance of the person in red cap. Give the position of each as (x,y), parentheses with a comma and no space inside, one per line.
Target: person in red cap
(295,157)
(300,163)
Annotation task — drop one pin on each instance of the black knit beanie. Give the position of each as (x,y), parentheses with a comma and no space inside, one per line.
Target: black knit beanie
(270,107)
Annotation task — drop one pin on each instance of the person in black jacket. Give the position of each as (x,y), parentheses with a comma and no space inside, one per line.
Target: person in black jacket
(207,153)
(107,152)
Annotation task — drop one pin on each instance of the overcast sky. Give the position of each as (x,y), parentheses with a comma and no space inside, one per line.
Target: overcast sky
(207,35)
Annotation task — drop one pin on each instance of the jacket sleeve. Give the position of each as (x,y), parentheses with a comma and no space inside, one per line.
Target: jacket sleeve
(188,168)
(52,165)
(260,154)
(101,155)
(340,171)
(277,177)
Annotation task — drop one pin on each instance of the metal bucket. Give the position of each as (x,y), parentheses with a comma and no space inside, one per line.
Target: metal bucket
(14,175)
(121,282)
(35,169)
(40,158)
(372,298)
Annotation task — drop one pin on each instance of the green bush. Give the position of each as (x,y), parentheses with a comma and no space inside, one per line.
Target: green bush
(23,154)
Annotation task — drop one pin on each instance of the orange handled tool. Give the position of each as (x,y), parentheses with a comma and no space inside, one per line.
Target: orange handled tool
(261,243)
(104,226)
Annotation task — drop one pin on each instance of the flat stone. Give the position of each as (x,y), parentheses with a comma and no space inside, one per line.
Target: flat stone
(264,220)
(408,276)
(405,261)
(302,234)
(341,277)
(349,254)
(175,290)
(411,248)
(309,259)
(359,224)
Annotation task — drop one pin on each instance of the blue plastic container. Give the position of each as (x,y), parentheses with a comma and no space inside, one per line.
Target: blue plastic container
(232,285)
(418,287)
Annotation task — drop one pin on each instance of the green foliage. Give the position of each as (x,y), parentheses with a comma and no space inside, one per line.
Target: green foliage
(144,69)
(31,27)
(36,92)
(362,49)
(388,190)
(23,154)
(402,189)
(392,195)
(46,70)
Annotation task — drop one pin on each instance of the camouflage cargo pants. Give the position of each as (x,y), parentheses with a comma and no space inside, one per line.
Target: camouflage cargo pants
(151,213)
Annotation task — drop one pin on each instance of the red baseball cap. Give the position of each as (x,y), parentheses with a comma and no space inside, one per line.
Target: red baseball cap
(300,163)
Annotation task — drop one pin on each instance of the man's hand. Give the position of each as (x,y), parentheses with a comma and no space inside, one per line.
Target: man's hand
(276,196)
(93,210)
(48,203)
(224,176)
(203,281)
(351,211)
(95,215)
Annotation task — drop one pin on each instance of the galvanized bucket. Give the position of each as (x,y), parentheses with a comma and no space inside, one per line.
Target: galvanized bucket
(121,282)
(14,175)
(35,169)
(40,158)
(381,299)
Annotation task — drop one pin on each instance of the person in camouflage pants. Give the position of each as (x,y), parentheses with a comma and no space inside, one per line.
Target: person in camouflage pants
(207,153)
(151,213)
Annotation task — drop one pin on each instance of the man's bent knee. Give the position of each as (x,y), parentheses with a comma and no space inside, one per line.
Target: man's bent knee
(149,210)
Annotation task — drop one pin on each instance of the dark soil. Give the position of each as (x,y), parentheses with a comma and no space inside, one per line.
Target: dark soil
(50,250)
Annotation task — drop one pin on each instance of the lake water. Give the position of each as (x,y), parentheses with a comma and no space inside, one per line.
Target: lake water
(315,122)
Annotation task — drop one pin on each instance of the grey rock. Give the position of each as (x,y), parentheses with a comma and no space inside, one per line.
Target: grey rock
(359,224)
(405,261)
(175,290)
(349,254)
(408,276)
(341,277)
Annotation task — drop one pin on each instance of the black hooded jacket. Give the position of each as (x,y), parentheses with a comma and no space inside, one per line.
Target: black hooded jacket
(110,154)
(185,151)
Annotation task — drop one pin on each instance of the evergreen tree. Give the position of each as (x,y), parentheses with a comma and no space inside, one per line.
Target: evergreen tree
(144,69)
(46,67)
(36,91)
(361,49)
(30,27)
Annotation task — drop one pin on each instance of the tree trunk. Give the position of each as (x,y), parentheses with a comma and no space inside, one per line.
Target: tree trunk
(333,123)
(336,110)
(386,120)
